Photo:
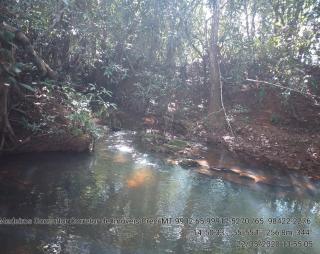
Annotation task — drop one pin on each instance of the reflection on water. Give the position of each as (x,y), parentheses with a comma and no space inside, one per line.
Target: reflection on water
(282,182)
(120,158)
(140,177)
(120,182)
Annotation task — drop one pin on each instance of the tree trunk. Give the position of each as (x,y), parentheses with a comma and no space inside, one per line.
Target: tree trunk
(253,25)
(6,130)
(247,18)
(215,113)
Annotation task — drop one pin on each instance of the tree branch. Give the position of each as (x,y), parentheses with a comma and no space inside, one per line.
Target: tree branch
(22,39)
(283,87)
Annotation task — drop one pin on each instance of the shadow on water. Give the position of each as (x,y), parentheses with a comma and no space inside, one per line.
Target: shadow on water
(120,182)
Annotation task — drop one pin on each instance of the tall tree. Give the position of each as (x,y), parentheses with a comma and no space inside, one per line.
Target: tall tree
(215,106)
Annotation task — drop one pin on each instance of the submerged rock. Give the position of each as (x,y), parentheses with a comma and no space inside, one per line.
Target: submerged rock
(178,143)
(189,163)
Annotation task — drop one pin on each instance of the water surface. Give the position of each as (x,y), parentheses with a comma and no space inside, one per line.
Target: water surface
(175,210)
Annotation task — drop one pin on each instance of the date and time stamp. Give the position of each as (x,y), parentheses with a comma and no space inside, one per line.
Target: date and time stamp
(247,233)
(242,232)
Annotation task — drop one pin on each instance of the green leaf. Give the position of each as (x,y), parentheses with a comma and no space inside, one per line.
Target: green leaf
(27,87)
(113,105)
(12,80)
(16,70)
(20,65)
(6,55)
(8,36)
(109,93)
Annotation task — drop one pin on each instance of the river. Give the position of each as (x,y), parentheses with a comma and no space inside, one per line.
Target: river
(121,200)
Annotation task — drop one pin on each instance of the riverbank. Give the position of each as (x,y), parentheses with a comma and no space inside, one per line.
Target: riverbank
(293,149)
(270,131)
(48,121)
(266,131)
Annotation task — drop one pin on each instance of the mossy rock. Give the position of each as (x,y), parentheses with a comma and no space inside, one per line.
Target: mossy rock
(160,149)
(189,163)
(153,136)
(152,139)
(178,143)
(172,148)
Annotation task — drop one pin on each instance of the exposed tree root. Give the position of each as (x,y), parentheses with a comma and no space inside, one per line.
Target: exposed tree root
(8,139)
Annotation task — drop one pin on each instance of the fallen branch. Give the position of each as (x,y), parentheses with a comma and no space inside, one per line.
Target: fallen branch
(283,87)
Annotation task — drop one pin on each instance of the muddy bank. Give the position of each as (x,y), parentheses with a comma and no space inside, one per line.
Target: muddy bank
(280,147)
(270,131)
(56,143)
(49,123)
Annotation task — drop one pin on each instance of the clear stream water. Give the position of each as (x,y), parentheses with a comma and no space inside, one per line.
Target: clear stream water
(172,210)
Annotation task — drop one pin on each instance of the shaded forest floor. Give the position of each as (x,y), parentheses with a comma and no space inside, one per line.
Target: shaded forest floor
(280,146)
(270,131)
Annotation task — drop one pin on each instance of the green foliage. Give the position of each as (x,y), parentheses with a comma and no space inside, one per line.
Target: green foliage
(81,121)
(261,94)
(81,107)
(7,36)
(178,143)
(33,127)
(115,72)
(239,109)
(31,89)
(247,119)
(98,99)
(137,49)
(275,119)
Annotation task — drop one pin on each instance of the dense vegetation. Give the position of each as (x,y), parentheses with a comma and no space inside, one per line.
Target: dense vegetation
(65,62)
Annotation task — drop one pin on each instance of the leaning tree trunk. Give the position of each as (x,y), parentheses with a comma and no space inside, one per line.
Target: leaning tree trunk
(23,40)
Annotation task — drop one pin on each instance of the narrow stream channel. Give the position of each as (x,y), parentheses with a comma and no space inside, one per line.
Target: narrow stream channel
(172,210)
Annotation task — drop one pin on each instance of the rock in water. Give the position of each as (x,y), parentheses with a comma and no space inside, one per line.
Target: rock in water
(189,163)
